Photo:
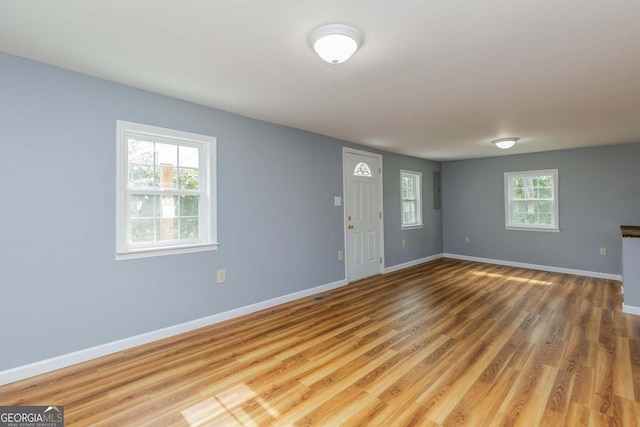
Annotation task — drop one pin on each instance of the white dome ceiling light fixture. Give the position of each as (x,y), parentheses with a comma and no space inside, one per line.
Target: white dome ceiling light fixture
(335,43)
(505,143)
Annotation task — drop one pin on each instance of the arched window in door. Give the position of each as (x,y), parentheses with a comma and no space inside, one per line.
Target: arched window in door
(362,169)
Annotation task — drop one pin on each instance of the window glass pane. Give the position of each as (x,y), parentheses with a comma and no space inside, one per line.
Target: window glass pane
(532,219)
(517,193)
(189,179)
(166,154)
(530,193)
(545,181)
(545,207)
(545,193)
(165,176)
(189,228)
(189,206)
(518,218)
(528,182)
(140,176)
(530,208)
(142,230)
(167,229)
(140,152)
(141,206)
(545,219)
(517,183)
(519,207)
(167,206)
(189,157)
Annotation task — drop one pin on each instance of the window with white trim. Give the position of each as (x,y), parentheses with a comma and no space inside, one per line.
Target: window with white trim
(531,200)
(411,190)
(165,196)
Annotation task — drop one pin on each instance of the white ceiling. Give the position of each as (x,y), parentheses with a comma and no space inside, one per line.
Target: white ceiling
(436,79)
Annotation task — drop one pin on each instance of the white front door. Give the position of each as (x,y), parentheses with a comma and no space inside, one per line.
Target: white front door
(363,213)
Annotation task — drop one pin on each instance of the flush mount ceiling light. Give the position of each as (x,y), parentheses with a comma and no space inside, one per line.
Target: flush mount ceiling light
(505,143)
(335,43)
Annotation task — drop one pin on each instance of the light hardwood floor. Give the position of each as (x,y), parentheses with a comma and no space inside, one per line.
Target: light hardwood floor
(446,343)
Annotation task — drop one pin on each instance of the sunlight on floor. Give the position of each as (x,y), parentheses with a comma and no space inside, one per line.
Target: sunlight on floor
(226,408)
(512,278)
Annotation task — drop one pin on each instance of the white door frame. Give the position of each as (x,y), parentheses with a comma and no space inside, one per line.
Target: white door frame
(344,207)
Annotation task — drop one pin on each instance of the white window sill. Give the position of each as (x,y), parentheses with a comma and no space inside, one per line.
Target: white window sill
(543,229)
(411,227)
(172,250)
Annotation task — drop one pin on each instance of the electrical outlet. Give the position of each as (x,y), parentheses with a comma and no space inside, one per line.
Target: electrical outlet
(603,251)
(466,239)
(340,255)
(404,243)
(222,276)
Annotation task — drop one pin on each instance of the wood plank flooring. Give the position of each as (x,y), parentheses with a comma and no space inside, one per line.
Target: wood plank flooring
(446,343)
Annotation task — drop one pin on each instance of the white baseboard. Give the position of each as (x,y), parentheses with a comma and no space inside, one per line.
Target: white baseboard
(48,365)
(537,267)
(410,263)
(630,309)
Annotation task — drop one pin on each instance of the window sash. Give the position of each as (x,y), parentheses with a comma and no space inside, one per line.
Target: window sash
(156,165)
(409,214)
(178,218)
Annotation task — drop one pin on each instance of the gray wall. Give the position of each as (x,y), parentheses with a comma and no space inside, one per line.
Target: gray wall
(426,240)
(599,190)
(61,288)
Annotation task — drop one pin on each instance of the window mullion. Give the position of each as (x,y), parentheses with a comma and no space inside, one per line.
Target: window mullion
(155,218)
(178,215)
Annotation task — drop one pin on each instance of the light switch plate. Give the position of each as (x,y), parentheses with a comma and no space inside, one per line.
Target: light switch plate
(222,276)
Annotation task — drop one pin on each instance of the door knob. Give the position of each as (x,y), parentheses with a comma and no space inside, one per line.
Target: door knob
(350,227)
